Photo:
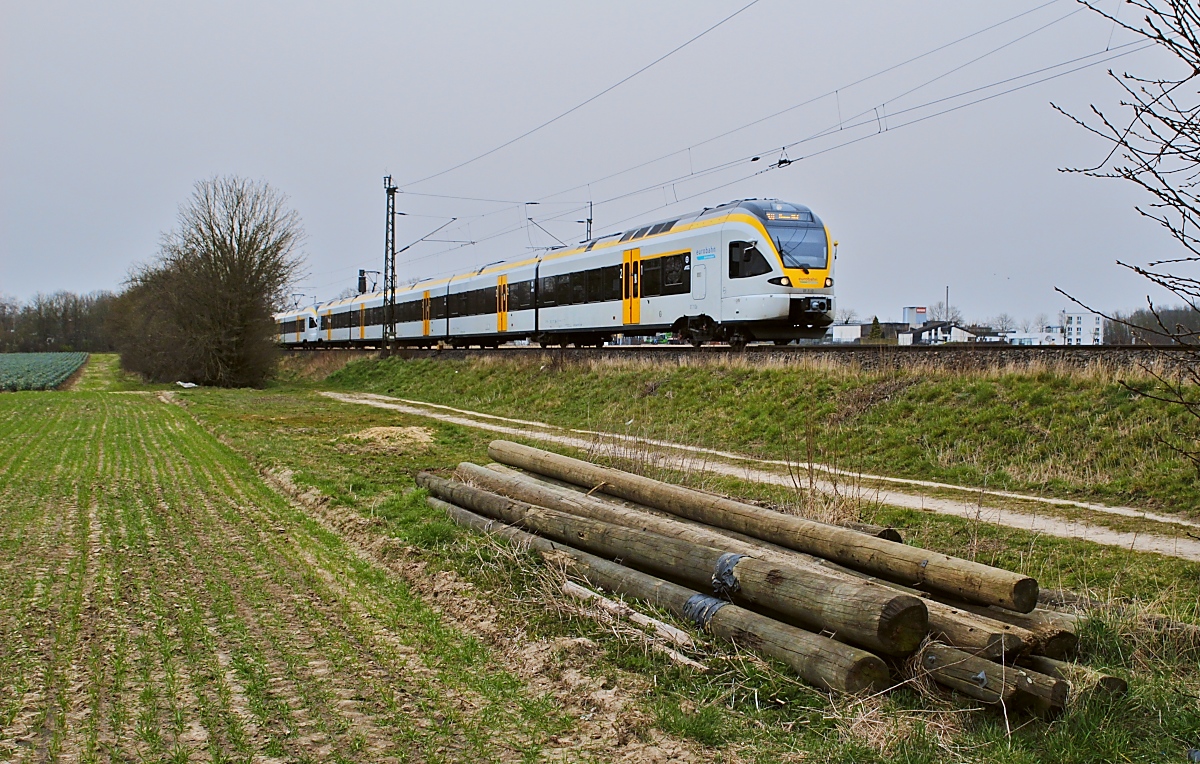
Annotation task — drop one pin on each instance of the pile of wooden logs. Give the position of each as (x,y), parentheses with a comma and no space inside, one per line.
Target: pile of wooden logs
(842,605)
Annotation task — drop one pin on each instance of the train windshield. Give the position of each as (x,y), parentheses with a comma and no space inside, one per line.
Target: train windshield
(800,246)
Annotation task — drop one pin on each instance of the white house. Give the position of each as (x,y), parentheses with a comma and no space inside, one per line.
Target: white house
(938,333)
(1051,335)
(847,333)
(1082,329)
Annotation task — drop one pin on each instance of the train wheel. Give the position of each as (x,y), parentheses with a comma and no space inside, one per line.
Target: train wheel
(781,343)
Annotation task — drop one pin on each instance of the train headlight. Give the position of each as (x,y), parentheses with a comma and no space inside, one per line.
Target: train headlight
(828,282)
(780,280)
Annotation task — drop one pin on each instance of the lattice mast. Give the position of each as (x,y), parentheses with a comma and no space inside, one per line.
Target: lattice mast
(389,268)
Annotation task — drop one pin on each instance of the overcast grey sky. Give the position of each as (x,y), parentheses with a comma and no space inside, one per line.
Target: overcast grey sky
(110,112)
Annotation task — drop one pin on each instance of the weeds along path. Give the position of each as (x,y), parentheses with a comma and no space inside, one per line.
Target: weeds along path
(158,601)
(687,458)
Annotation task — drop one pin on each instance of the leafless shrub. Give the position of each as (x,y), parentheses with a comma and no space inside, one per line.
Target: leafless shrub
(1155,145)
(202,311)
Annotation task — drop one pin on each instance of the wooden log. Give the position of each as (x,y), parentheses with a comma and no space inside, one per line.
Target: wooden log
(1081,678)
(868,615)
(1042,695)
(1053,633)
(870,529)
(964,579)
(975,634)
(973,676)
(818,660)
(621,610)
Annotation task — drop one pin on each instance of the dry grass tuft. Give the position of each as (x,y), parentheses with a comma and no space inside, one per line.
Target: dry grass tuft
(412,439)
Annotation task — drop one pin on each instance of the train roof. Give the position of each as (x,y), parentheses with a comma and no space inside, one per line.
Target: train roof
(766,210)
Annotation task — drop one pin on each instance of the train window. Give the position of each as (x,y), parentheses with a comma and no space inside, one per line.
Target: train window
(546,293)
(562,289)
(677,273)
(475,300)
(652,277)
(612,282)
(578,288)
(437,307)
(595,285)
(519,295)
(746,260)
(312,323)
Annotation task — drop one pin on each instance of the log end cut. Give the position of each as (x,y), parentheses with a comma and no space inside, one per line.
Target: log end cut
(1060,645)
(903,624)
(868,674)
(1025,595)
(1003,646)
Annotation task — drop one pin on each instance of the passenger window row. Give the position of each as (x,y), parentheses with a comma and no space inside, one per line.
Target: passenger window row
(660,276)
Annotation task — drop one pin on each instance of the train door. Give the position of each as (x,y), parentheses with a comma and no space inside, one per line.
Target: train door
(502,304)
(631,286)
(362,321)
(699,282)
(425,314)
(328,319)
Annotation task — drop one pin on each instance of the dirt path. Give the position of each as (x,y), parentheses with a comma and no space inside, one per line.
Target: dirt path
(732,465)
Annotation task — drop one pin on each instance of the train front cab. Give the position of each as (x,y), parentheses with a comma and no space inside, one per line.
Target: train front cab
(776,263)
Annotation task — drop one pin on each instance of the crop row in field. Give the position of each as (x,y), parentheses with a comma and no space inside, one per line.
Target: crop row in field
(37,371)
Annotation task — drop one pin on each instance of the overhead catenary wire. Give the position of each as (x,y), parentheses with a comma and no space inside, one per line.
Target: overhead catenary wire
(580,105)
(842,125)
(835,92)
(1118,52)
(692,175)
(916,120)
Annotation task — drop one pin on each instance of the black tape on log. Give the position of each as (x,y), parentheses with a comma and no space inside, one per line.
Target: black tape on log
(700,608)
(724,581)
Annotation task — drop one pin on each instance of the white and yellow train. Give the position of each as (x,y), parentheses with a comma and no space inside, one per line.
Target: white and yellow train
(745,271)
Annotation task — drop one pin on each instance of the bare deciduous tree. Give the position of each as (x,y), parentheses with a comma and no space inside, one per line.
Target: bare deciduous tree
(1155,144)
(846,315)
(202,311)
(939,311)
(1004,323)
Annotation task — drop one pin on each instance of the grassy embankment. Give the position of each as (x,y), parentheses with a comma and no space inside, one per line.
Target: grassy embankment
(1068,433)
